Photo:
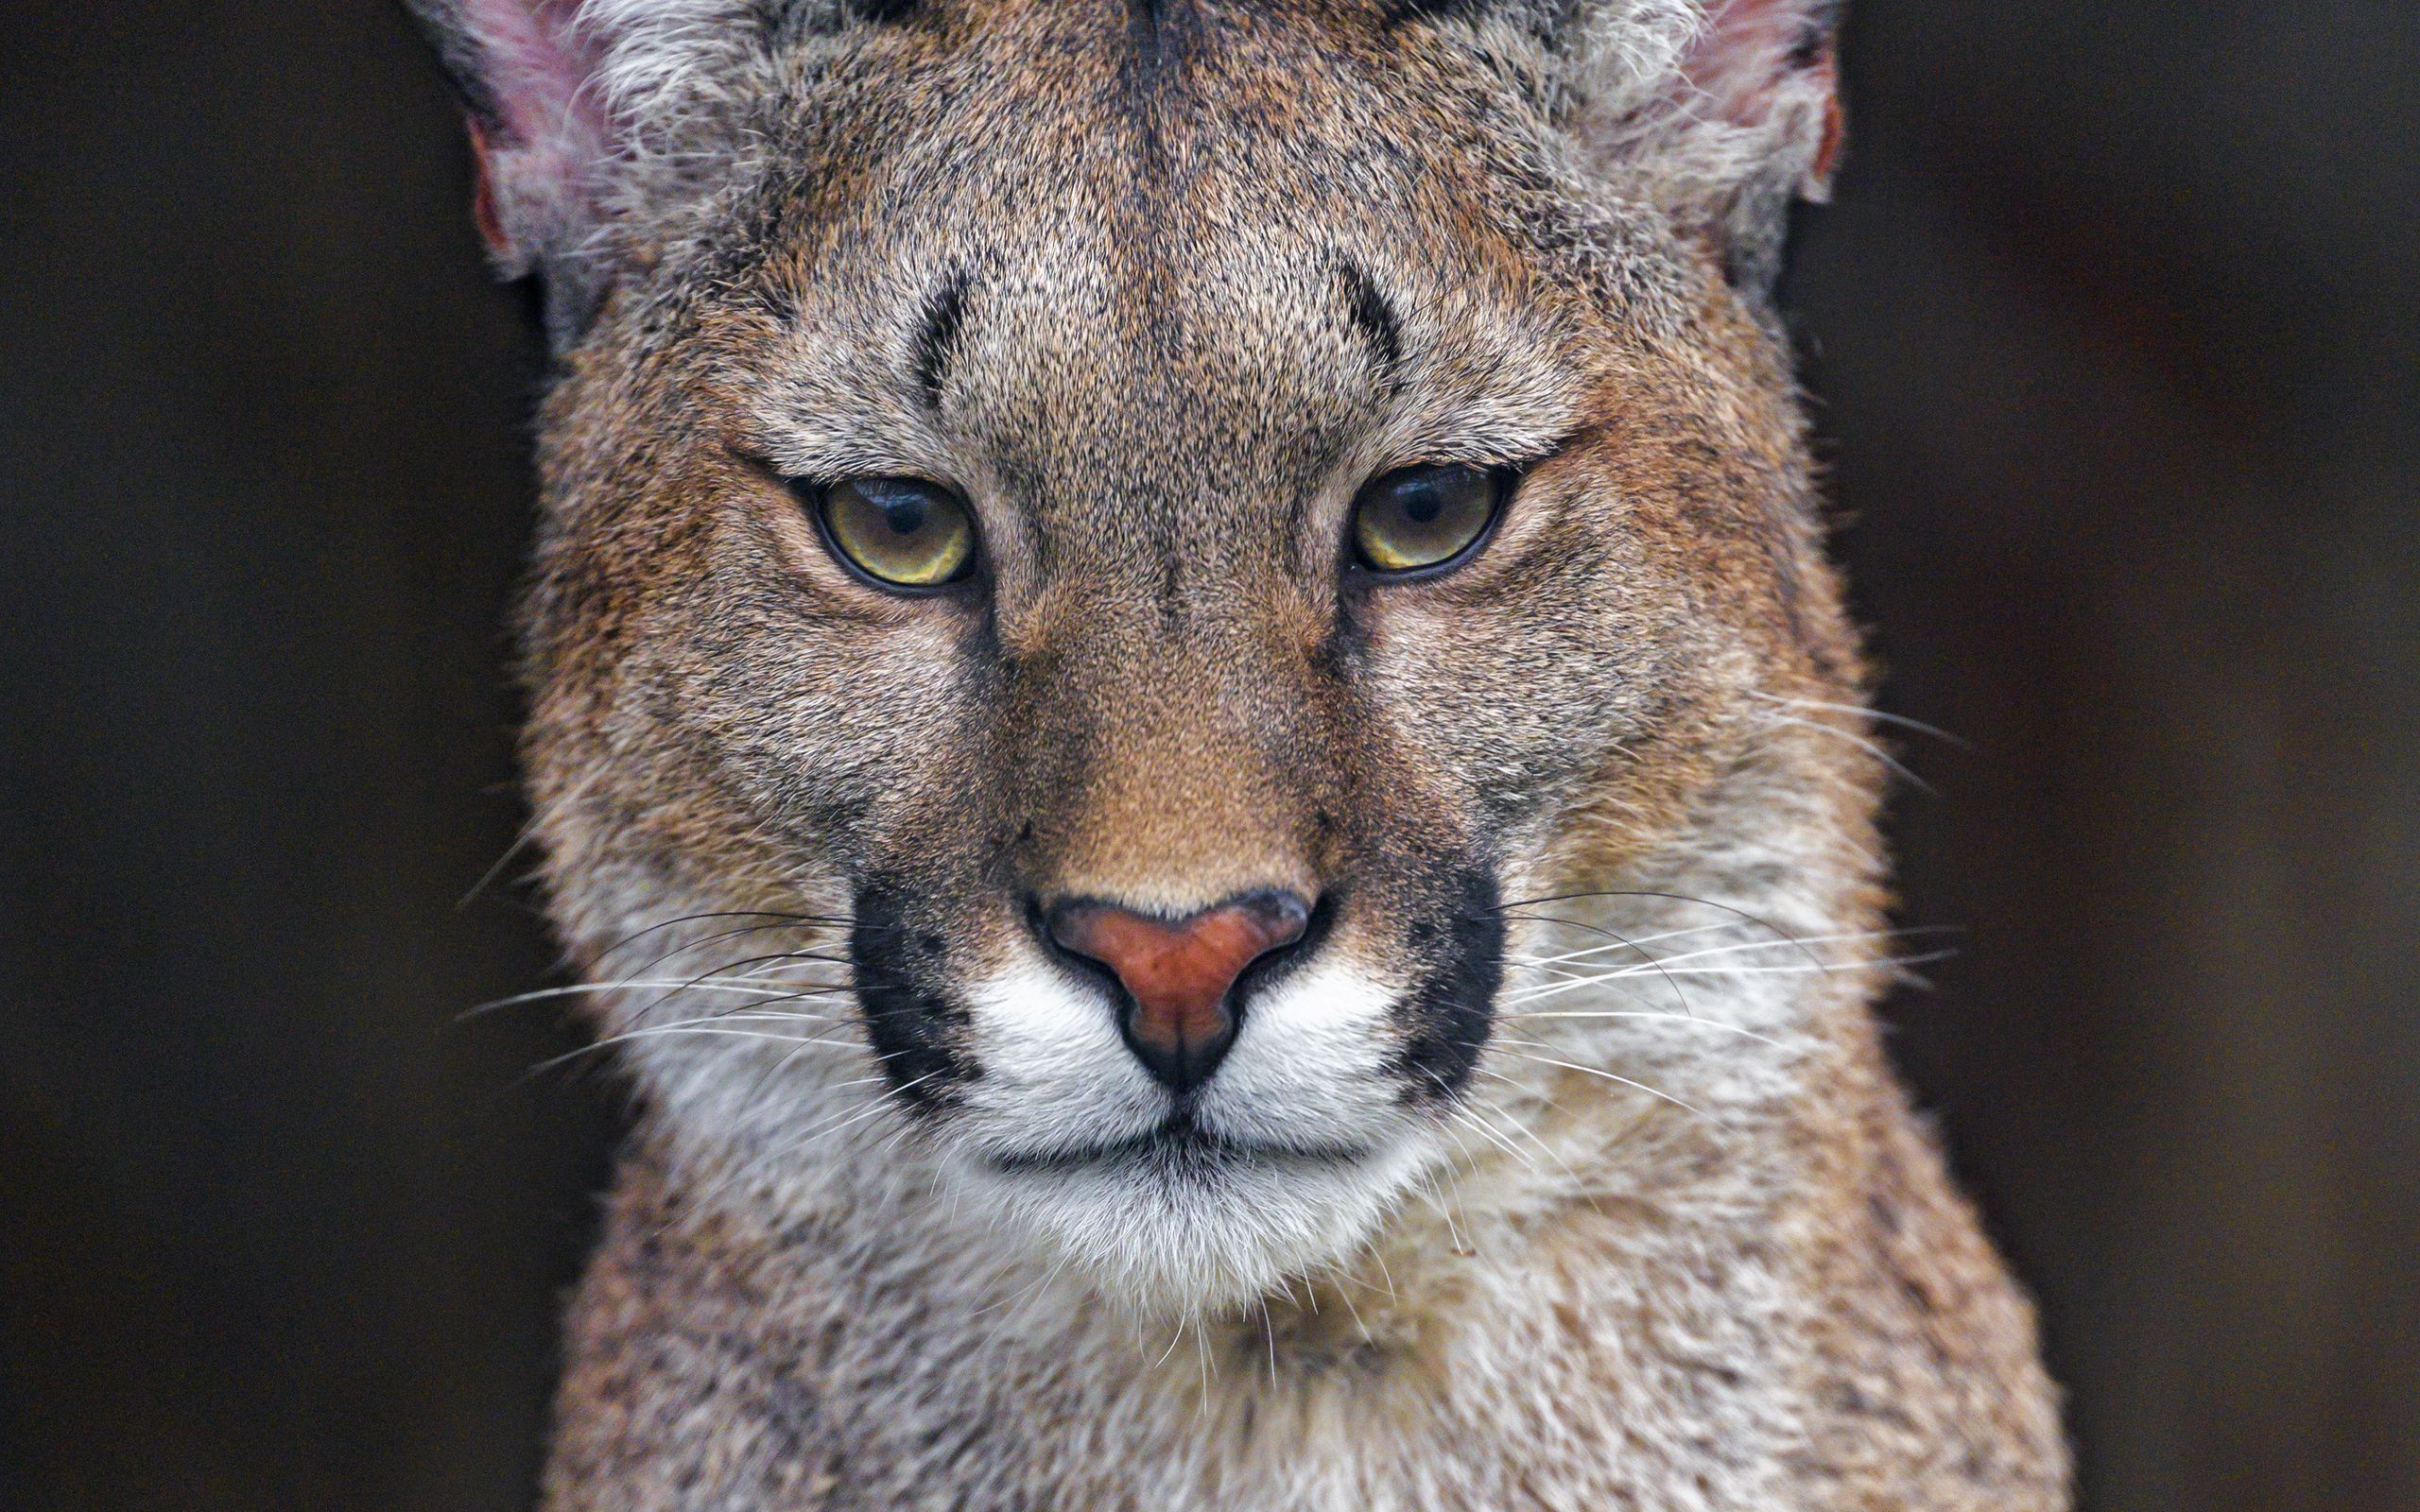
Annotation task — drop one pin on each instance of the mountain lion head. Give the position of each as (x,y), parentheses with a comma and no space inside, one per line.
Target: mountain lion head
(1107,564)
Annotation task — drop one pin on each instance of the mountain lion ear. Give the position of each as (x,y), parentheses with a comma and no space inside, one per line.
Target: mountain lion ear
(528,73)
(1727,128)
(568,99)
(1720,111)
(1767,68)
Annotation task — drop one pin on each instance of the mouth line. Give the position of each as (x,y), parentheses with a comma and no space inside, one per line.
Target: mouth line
(1178,1144)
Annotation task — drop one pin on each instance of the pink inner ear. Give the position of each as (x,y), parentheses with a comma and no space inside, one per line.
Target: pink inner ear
(546,128)
(540,68)
(1747,49)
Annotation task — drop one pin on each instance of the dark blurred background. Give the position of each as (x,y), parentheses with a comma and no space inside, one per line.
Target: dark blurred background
(2116,337)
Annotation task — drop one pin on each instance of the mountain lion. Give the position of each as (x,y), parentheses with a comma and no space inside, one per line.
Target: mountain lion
(1191,734)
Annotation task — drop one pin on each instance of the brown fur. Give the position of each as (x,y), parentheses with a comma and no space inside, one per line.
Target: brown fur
(1098,268)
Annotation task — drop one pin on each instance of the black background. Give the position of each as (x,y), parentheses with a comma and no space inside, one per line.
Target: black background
(2116,348)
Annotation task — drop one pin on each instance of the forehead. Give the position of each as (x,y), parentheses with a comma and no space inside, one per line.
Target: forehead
(1180,162)
(1252,221)
(1156,121)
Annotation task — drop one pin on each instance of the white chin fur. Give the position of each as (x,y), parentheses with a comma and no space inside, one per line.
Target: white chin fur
(1208,1237)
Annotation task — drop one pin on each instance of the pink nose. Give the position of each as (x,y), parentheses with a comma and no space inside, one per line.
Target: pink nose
(1177,974)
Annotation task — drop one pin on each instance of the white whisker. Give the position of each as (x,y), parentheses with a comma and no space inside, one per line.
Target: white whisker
(1462,1115)
(1871,748)
(1636,942)
(1901,720)
(1786,942)
(1666,967)
(1674,1018)
(810,990)
(1629,973)
(683,1029)
(1637,1086)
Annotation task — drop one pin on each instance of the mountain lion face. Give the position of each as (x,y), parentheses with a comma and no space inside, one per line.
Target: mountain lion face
(1102,559)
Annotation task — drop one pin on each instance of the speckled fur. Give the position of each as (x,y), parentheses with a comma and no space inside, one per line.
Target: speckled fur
(1663,1233)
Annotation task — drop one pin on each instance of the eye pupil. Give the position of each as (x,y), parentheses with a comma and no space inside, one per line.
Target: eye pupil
(1423,517)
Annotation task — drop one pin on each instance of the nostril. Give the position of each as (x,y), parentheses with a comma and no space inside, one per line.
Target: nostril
(1178,1017)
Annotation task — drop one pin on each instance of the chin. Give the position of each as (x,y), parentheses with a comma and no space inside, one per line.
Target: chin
(1178,1223)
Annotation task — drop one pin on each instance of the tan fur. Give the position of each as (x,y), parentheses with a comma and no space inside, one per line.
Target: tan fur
(1642,1221)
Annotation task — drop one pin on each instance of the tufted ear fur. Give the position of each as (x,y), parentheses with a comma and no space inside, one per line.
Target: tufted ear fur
(1739,118)
(570,103)
(1721,111)
(1747,122)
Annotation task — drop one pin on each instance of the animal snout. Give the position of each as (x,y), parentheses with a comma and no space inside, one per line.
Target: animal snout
(1179,1013)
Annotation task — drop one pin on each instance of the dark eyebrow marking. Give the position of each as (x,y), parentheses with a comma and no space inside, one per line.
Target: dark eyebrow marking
(936,338)
(830,20)
(1374,317)
(1142,32)
(1404,12)
(1160,36)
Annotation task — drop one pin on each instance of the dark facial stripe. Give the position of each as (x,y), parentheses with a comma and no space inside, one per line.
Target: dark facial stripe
(1451,1011)
(1405,12)
(915,1028)
(1374,317)
(1160,35)
(1142,32)
(937,341)
(832,16)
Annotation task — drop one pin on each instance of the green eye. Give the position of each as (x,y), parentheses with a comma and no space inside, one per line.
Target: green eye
(901,532)
(1418,517)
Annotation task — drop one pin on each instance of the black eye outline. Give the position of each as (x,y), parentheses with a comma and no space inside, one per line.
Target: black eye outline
(814,498)
(1504,480)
